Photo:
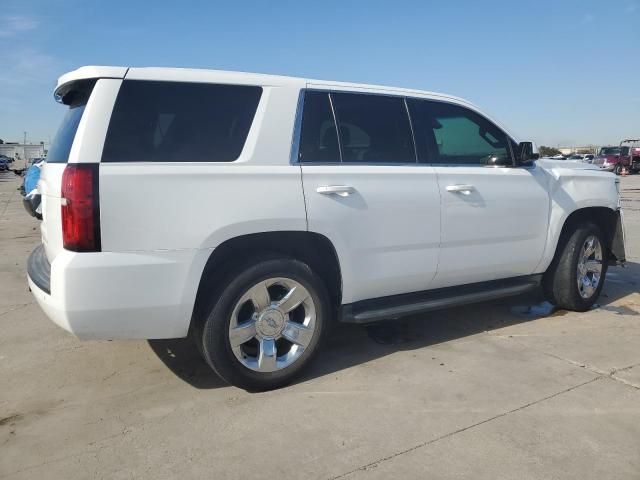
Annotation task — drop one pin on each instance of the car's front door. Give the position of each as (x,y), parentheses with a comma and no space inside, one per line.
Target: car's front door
(365,192)
(494,214)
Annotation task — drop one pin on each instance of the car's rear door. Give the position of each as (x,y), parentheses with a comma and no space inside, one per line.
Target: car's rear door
(365,191)
(494,214)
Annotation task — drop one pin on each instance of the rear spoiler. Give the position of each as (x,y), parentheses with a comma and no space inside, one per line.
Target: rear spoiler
(86,73)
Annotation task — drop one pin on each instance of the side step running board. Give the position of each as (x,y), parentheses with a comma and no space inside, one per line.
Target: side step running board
(386,308)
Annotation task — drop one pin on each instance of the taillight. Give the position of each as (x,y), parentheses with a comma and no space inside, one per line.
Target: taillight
(80,208)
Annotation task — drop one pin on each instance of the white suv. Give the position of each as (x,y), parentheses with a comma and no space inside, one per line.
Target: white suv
(250,211)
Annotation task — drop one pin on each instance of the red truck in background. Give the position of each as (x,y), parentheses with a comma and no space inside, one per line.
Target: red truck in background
(626,156)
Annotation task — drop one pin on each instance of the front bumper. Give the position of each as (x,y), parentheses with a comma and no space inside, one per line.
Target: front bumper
(110,295)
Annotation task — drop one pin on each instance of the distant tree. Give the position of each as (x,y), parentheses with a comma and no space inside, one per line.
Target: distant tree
(1,141)
(548,151)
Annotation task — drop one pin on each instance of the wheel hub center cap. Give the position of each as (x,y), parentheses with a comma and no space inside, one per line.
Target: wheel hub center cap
(270,323)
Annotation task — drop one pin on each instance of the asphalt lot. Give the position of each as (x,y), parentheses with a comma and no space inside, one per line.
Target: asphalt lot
(502,390)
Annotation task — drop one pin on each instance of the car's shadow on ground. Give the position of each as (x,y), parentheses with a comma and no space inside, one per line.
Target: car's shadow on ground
(350,345)
(181,356)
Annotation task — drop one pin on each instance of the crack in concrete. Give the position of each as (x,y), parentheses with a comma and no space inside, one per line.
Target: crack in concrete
(585,366)
(625,382)
(94,449)
(460,430)
(6,205)
(48,462)
(624,369)
(13,308)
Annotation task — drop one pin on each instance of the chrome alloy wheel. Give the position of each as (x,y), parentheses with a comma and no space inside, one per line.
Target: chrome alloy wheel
(589,266)
(272,324)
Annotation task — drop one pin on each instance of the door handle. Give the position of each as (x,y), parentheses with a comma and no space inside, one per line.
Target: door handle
(463,189)
(340,190)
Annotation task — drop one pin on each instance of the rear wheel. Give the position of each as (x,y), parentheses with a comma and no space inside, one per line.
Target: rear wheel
(266,324)
(575,278)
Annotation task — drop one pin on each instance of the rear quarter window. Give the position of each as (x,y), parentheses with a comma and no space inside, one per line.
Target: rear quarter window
(76,97)
(180,122)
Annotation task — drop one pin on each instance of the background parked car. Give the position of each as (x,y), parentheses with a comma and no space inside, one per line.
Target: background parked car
(5,162)
(30,196)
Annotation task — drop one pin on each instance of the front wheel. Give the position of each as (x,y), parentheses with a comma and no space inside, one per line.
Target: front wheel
(618,169)
(575,278)
(266,324)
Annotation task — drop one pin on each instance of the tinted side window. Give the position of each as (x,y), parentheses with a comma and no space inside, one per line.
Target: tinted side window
(61,145)
(373,128)
(180,122)
(451,134)
(318,138)
(77,98)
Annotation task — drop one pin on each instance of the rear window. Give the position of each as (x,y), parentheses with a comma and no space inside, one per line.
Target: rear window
(76,96)
(180,122)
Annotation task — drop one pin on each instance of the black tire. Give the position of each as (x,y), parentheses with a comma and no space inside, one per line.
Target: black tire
(618,169)
(560,281)
(213,331)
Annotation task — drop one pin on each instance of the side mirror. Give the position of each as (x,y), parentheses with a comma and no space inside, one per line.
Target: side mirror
(525,154)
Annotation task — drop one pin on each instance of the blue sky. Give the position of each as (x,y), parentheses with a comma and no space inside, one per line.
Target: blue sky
(555,71)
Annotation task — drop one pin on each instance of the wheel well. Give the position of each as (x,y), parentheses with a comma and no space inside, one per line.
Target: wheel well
(604,217)
(314,249)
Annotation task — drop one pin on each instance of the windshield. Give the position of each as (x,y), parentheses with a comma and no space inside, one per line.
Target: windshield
(610,151)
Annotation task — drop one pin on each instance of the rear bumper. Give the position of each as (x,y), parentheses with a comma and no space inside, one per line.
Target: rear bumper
(118,295)
(39,270)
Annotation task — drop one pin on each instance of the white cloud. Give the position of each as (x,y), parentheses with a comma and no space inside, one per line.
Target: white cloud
(12,25)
